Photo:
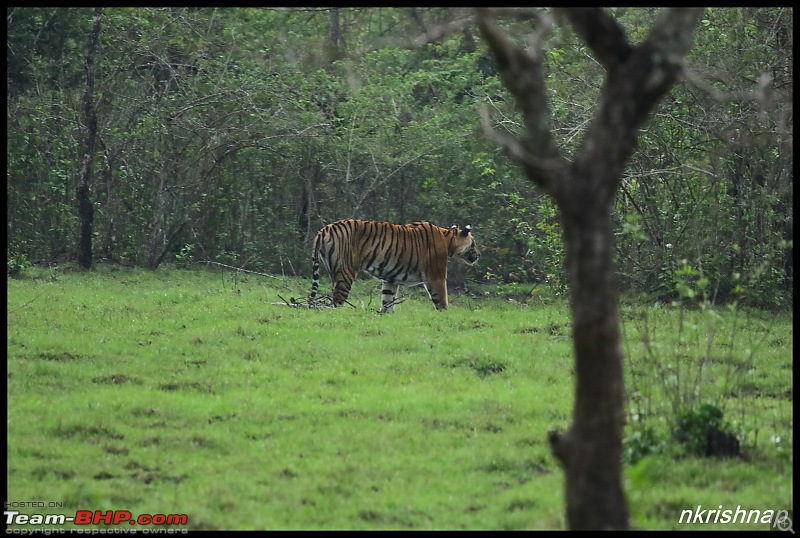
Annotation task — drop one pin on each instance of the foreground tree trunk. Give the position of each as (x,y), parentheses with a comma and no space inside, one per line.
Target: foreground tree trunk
(584,189)
(591,450)
(85,208)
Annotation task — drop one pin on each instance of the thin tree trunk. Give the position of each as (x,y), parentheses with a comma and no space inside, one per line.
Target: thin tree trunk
(335,49)
(85,207)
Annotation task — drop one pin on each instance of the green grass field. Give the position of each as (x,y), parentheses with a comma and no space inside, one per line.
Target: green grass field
(186,392)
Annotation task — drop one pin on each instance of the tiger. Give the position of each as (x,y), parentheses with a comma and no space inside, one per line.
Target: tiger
(394,253)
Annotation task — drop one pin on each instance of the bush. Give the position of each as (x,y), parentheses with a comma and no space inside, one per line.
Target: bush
(17,263)
(700,432)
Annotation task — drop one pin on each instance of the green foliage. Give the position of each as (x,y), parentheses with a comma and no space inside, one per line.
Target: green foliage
(684,373)
(546,248)
(690,282)
(242,131)
(17,264)
(644,441)
(185,256)
(716,195)
(694,425)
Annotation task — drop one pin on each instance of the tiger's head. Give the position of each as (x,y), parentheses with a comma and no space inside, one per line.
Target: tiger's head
(462,244)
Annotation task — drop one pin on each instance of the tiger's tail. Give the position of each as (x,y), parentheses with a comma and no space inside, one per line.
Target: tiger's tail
(315,267)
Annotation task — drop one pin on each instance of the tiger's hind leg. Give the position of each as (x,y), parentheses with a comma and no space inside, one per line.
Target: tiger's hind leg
(388,294)
(341,289)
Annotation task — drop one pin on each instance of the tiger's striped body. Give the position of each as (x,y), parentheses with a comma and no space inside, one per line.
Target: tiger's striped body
(394,253)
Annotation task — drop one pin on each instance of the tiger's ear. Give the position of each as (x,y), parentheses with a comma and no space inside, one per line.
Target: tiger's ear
(466,230)
(454,227)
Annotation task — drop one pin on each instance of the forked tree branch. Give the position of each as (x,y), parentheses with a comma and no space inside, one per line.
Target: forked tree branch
(637,78)
(636,82)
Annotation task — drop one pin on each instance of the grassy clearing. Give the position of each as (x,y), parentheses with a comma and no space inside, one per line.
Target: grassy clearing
(178,392)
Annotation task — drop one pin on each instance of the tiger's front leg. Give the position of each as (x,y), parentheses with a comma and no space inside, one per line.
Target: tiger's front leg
(438,293)
(388,294)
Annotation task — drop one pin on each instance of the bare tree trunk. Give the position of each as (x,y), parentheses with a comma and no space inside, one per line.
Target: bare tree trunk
(637,77)
(85,208)
(335,46)
(158,225)
(591,450)
(168,219)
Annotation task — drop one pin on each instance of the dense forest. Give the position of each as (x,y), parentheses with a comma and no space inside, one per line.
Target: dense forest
(233,135)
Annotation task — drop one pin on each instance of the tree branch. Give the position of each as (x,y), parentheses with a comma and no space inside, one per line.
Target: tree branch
(602,33)
(440,30)
(523,75)
(514,149)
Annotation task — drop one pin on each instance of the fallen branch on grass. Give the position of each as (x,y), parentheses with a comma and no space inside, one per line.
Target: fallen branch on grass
(323,301)
(236,268)
(390,305)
